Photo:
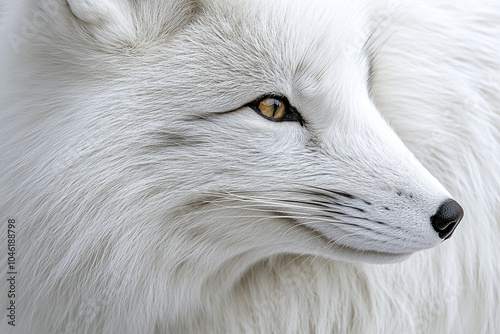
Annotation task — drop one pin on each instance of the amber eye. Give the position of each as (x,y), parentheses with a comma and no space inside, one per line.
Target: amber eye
(272,108)
(276,108)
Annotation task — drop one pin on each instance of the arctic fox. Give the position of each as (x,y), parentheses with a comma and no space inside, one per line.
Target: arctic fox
(231,166)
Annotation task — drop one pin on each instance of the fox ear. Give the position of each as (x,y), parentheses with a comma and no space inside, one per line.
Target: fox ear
(147,18)
(96,11)
(110,20)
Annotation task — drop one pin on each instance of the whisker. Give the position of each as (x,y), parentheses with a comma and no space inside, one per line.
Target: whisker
(325,210)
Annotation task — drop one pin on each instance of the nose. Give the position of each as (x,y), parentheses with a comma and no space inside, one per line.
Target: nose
(447,217)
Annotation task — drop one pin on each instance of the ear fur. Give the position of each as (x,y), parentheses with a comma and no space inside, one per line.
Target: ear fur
(108,19)
(94,11)
(143,18)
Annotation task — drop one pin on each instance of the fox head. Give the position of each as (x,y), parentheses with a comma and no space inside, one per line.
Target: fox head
(178,141)
(207,135)
(231,122)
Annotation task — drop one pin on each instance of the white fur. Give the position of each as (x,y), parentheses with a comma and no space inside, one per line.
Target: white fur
(149,200)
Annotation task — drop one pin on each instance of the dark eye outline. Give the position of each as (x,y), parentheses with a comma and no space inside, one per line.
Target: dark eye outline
(291,113)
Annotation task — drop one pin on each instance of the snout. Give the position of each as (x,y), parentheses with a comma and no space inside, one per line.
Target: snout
(447,218)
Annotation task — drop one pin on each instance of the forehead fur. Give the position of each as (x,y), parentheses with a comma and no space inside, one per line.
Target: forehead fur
(281,53)
(280,32)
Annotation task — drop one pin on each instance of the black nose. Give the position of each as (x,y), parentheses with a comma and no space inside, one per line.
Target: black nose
(447,217)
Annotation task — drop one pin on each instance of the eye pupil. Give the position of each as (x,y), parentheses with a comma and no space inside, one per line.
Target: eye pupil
(272,108)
